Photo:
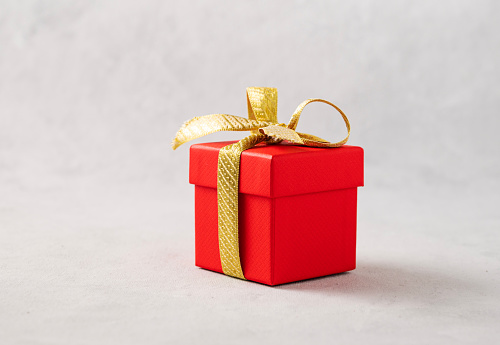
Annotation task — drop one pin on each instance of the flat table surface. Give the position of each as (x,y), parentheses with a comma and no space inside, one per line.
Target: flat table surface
(82,263)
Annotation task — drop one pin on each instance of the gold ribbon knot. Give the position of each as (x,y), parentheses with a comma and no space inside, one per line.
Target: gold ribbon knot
(263,123)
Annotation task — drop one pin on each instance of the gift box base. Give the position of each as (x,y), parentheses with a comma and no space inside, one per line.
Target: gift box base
(283,239)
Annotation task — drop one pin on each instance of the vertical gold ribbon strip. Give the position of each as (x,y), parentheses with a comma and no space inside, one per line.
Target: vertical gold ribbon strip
(263,123)
(227,199)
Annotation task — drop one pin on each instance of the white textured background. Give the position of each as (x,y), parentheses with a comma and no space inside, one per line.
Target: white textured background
(96,213)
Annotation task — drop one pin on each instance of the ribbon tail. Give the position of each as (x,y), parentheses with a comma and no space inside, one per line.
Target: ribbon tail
(208,124)
(306,136)
(282,133)
(227,200)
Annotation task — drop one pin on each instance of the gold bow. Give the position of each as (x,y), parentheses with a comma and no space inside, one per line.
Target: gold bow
(263,123)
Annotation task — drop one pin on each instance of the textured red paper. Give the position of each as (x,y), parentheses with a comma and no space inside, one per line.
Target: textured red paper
(297,210)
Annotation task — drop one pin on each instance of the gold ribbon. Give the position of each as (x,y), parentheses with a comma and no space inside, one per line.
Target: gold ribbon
(263,123)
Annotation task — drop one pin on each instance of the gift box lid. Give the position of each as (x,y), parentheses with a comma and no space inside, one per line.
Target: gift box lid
(282,170)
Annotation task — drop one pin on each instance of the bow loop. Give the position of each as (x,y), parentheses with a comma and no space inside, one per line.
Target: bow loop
(262,104)
(208,124)
(311,140)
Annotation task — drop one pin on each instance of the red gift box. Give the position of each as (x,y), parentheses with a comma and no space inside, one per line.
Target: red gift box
(297,210)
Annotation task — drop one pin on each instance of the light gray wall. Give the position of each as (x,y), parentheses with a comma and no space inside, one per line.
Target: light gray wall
(100,87)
